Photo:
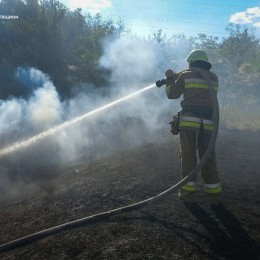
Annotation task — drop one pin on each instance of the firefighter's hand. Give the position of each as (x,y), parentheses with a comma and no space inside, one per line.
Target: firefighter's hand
(170,74)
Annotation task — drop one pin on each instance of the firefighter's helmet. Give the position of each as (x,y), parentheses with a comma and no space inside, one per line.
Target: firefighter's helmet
(197,55)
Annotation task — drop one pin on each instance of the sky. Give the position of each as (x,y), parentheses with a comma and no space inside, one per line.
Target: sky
(190,17)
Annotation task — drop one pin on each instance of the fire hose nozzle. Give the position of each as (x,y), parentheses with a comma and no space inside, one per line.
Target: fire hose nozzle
(160,83)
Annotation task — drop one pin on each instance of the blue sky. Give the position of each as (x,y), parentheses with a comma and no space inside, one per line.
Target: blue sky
(175,16)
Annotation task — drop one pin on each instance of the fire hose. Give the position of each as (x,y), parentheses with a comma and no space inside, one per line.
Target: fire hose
(106,215)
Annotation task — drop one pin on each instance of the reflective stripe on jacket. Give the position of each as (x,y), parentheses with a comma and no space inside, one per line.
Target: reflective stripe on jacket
(193,83)
(193,87)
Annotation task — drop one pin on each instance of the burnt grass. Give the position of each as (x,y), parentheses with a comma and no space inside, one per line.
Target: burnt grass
(169,229)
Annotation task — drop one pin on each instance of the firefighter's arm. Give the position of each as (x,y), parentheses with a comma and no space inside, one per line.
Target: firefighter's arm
(174,85)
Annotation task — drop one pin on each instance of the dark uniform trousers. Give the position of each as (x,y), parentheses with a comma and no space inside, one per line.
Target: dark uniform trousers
(193,142)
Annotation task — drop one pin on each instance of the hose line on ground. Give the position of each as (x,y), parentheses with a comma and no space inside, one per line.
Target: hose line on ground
(106,215)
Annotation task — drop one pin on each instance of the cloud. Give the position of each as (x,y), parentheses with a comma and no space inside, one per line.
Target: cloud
(249,16)
(92,6)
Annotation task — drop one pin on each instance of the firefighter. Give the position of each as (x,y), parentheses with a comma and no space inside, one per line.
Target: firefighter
(195,122)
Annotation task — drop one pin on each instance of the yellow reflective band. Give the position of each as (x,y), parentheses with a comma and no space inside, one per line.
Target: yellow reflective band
(189,188)
(197,119)
(213,190)
(190,124)
(208,127)
(195,122)
(202,81)
(168,89)
(199,85)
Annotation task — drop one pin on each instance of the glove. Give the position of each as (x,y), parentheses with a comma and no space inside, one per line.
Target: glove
(170,74)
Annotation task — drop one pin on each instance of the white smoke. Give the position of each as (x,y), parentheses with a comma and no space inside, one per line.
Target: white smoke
(44,109)
(11,116)
(131,62)
(21,118)
(134,65)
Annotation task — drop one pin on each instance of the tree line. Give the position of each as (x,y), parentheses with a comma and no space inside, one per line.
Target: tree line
(67,45)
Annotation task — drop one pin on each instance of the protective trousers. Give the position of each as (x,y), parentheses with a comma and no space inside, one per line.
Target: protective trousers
(193,142)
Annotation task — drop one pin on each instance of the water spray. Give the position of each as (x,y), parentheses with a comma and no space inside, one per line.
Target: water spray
(23,144)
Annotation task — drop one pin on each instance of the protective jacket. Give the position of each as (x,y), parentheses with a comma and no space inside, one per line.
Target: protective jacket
(192,86)
(197,102)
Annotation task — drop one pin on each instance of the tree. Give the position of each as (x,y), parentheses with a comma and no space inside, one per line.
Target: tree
(159,37)
(210,44)
(240,46)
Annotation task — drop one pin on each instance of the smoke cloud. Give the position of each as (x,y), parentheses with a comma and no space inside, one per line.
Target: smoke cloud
(144,119)
(133,123)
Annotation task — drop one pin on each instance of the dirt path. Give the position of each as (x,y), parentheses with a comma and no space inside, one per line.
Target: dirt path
(169,229)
